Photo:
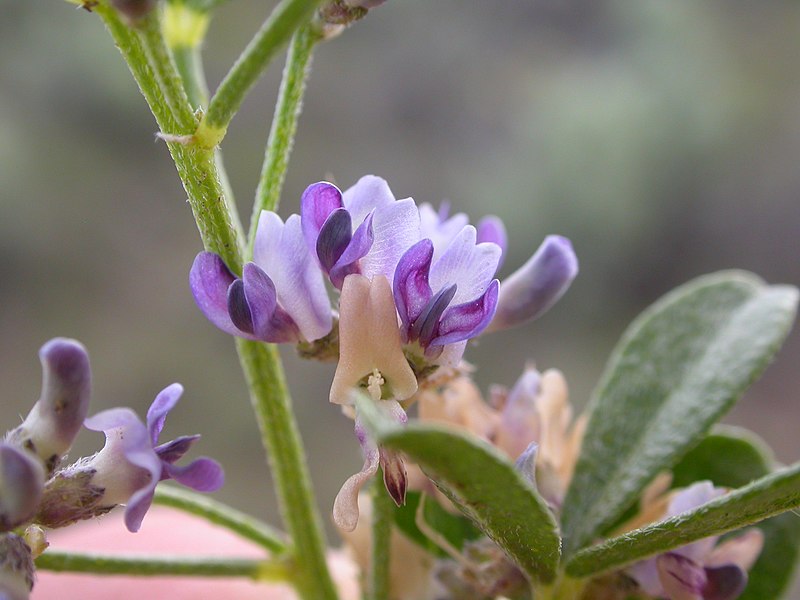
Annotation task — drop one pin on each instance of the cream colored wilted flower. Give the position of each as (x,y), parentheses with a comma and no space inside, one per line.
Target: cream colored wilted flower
(370,358)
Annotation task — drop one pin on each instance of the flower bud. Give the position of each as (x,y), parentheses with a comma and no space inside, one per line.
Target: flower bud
(537,285)
(21,484)
(52,424)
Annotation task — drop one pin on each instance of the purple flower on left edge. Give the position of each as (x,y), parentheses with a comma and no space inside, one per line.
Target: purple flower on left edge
(281,295)
(702,570)
(132,462)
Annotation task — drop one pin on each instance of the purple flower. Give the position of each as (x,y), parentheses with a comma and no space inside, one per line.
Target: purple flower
(363,230)
(701,570)
(16,568)
(537,285)
(450,299)
(280,297)
(131,463)
(52,424)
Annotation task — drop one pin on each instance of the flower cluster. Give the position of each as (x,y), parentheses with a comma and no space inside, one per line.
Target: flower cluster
(415,285)
(36,491)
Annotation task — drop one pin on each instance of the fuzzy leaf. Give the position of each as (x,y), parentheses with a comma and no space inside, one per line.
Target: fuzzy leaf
(482,483)
(677,369)
(768,496)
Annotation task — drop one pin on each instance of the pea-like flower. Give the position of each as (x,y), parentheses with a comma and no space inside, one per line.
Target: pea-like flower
(281,295)
(371,359)
(132,462)
(364,230)
(21,486)
(702,570)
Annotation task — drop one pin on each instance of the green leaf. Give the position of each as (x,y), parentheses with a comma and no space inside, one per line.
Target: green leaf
(482,483)
(677,369)
(771,495)
(733,457)
(456,529)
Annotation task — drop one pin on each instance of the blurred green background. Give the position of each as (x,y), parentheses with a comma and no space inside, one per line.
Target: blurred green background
(663,138)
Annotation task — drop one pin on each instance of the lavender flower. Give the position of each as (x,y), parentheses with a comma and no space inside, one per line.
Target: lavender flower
(449,300)
(52,424)
(702,570)
(280,297)
(363,230)
(131,463)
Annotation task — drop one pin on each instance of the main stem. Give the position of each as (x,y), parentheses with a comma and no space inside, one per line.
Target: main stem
(261,363)
(382,507)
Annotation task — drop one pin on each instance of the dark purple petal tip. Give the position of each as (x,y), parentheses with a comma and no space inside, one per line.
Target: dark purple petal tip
(209,280)
(318,201)
(202,475)
(334,237)
(467,320)
(724,583)
(412,291)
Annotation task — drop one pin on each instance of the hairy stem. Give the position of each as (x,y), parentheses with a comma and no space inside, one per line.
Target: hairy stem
(272,405)
(279,26)
(222,234)
(284,123)
(74,562)
(382,507)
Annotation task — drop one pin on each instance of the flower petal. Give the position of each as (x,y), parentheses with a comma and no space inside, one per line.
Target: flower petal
(360,244)
(537,285)
(439,228)
(681,577)
(395,229)
(164,402)
(742,550)
(724,583)
(690,498)
(519,419)
(21,486)
(426,327)
(411,289)
(368,193)
(369,339)
(282,254)
(526,463)
(334,237)
(172,451)
(469,265)
(318,201)
(465,321)
(491,229)
(270,322)
(203,474)
(345,506)
(209,280)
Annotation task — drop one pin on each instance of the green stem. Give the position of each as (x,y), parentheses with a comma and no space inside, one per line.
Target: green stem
(272,405)
(163,66)
(218,223)
(261,364)
(74,562)
(238,522)
(382,507)
(184,27)
(284,123)
(279,26)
